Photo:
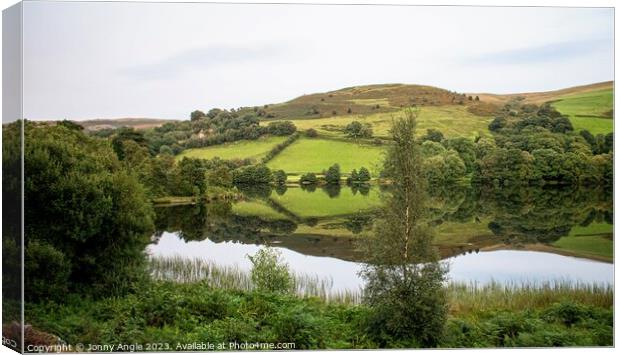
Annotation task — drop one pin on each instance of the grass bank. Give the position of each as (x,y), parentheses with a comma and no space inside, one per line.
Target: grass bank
(174,314)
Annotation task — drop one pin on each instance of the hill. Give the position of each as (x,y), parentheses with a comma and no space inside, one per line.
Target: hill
(544,96)
(369,99)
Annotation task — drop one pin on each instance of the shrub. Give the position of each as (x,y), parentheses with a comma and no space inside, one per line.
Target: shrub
(269,273)
(356,129)
(279,177)
(311,133)
(46,272)
(308,179)
(333,175)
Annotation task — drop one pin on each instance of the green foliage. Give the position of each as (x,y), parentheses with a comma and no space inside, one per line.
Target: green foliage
(82,201)
(46,272)
(356,129)
(332,176)
(269,273)
(311,133)
(279,177)
(308,179)
(404,281)
(197,115)
(281,128)
(253,174)
(433,135)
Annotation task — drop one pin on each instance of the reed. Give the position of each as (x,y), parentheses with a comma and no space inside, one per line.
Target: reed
(472,298)
(184,270)
(463,298)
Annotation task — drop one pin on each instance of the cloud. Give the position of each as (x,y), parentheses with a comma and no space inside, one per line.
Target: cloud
(202,58)
(546,53)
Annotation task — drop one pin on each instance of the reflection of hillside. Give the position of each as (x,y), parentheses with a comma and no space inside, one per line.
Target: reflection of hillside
(465,220)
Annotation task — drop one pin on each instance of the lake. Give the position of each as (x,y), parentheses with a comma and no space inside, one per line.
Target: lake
(529,235)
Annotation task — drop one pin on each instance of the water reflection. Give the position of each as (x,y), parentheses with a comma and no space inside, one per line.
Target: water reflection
(327,222)
(503,266)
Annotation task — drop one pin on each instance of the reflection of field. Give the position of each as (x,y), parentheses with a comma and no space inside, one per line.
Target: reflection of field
(255,149)
(257,208)
(593,240)
(319,204)
(317,155)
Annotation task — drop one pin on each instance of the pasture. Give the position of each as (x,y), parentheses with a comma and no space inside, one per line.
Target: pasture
(451,120)
(316,155)
(253,149)
(319,203)
(591,110)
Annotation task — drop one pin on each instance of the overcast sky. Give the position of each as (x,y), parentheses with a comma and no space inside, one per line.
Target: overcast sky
(106,60)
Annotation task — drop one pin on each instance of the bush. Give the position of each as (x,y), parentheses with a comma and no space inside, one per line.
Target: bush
(281,128)
(333,175)
(279,177)
(308,179)
(312,133)
(253,174)
(46,272)
(269,273)
(356,129)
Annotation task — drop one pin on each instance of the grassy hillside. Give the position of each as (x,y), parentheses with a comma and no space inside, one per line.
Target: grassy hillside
(452,120)
(592,110)
(366,100)
(255,149)
(588,106)
(316,155)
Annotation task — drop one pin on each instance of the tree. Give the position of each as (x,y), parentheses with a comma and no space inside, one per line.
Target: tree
(281,128)
(356,129)
(193,180)
(87,215)
(220,176)
(253,174)
(279,177)
(308,179)
(270,273)
(197,115)
(363,175)
(404,278)
(332,176)
(433,135)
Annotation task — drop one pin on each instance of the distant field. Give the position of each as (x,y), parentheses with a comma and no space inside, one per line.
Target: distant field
(452,120)
(589,110)
(594,239)
(255,149)
(319,204)
(316,154)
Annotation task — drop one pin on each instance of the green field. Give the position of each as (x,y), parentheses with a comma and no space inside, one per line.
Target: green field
(451,120)
(315,155)
(593,240)
(319,204)
(591,110)
(258,209)
(254,149)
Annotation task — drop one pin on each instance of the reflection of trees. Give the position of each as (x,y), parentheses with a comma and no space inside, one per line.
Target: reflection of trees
(216,222)
(333,191)
(523,215)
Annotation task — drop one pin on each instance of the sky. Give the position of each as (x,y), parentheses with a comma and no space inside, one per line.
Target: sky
(164,60)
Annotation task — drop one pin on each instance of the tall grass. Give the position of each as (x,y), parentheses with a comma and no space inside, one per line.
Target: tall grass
(184,270)
(463,298)
(473,298)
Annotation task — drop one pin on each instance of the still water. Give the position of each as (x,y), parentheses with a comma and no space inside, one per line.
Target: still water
(483,236)
(502,266)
